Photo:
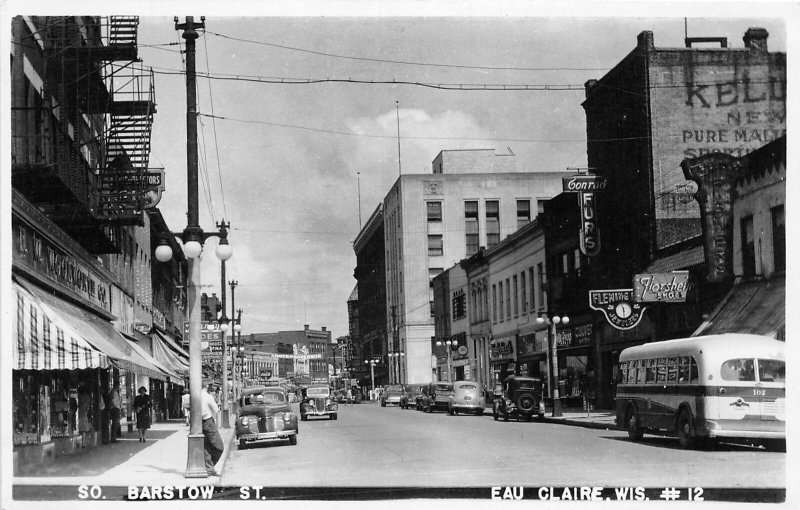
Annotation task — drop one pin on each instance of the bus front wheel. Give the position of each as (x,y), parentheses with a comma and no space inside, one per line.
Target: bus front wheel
(685,430)
(635,431)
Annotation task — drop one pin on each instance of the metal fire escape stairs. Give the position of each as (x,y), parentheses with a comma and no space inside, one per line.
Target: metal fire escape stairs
(102,101)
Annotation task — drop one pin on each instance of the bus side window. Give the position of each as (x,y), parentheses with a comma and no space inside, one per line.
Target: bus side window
(633,372)
(672,370)
(622,373)
(683,370)
(661,370)
(650,376)
(693,377)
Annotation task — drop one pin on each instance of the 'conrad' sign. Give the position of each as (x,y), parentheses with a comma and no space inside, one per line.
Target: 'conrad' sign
(582,183)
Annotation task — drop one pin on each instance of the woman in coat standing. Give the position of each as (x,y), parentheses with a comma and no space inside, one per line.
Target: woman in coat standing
(143,406)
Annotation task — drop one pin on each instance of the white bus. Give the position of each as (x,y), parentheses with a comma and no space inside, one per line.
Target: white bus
(704,388)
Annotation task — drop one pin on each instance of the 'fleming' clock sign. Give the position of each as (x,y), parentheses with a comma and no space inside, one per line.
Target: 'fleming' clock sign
(618,306)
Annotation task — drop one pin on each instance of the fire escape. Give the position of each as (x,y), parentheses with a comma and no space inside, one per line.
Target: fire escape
(94,176)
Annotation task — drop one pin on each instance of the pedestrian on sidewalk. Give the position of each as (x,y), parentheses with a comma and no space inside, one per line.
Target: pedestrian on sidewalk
(212,440)
(186,404)
(142,405)
(115,408)
(84,424)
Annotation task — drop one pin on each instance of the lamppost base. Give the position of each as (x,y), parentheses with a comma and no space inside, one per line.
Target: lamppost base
(196,460)
(226,421)
(557,407)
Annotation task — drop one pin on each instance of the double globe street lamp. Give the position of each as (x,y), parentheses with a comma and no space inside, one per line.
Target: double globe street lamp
(449,343)
(552,321)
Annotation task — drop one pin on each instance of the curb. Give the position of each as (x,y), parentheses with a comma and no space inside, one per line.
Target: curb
(580,423)
(226,452)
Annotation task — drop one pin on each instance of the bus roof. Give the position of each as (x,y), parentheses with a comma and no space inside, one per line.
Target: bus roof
(727,344)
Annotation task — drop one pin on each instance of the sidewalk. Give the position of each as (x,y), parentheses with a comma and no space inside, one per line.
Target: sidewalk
(159,461)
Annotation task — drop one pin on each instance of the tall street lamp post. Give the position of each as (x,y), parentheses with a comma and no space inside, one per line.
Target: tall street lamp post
(551,322)
(240,347)
(223,326)
(233,284)
(372,364)
(193,238)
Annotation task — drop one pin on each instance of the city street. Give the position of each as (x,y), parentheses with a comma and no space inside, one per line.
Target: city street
(390,447)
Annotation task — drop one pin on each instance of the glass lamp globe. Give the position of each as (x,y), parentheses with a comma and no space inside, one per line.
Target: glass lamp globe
(565,320)
(223,326)
(192,249)
(224,251)
(237,328)
(163,253)
(540,320)
(556,319)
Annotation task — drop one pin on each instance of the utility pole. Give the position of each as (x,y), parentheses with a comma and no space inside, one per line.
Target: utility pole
(224,326)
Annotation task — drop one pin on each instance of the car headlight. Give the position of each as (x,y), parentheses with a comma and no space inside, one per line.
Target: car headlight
(327,401)
(287,416)
(246,420)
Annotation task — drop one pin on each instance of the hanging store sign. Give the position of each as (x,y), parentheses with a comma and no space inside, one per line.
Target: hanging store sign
(503,348)
(589,234)
(618,306)
(661,287)
(584,183)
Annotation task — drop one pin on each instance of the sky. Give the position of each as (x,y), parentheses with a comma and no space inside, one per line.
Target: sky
(296,168)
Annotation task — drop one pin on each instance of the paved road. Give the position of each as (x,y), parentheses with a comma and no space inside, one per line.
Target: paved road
(391,447)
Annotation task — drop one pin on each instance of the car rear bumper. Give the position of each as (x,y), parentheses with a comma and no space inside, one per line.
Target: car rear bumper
(319,413)
(466,406)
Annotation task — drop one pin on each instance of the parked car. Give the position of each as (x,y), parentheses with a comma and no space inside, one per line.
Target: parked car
(265,415)
(521,398)
(318,401)
(395,394)
(413,392)
(467,396)
(436,396)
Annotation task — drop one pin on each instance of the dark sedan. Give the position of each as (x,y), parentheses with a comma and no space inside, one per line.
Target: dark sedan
(265,415)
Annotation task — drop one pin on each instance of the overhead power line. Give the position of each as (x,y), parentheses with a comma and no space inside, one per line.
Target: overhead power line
(406,62)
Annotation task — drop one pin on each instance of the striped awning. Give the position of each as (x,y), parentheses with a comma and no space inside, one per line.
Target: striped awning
(142,358)
(44,340)
(163,351)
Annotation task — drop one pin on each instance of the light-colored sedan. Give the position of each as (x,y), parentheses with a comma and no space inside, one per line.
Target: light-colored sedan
(467,397)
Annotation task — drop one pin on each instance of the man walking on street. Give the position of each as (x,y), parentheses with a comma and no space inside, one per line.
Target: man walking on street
(213,441)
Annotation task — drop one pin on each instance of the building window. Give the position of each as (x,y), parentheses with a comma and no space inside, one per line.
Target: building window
(494,303)
(542,283)
(523,212)
(431,299)
(492,223)
(508,298)
(435,245)
(502,300)
(779,237)
(540,205)
(516,296)
(434,211)
(459,305)
(433,272)
(532,283)
(748,247)
(471,227)
(523,293)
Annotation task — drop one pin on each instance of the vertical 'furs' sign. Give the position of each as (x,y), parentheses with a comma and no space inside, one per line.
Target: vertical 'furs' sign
(586,186)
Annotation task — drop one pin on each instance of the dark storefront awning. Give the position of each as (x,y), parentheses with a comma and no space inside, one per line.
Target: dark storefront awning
(751,307)
(684,259)
(154,368)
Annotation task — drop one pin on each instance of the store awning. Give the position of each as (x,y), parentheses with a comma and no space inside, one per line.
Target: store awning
(163,351)
(45,340)
(155,368)
(98,332)
(685,259)
(752,307)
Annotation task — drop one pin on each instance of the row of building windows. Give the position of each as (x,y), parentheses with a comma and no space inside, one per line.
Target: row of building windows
(472,224)
(519,294)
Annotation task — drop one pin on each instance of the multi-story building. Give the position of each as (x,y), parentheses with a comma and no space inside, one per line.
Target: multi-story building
(82,107)
(369,342)
(655,108)
(756,222)
(302,355)
(472,198)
